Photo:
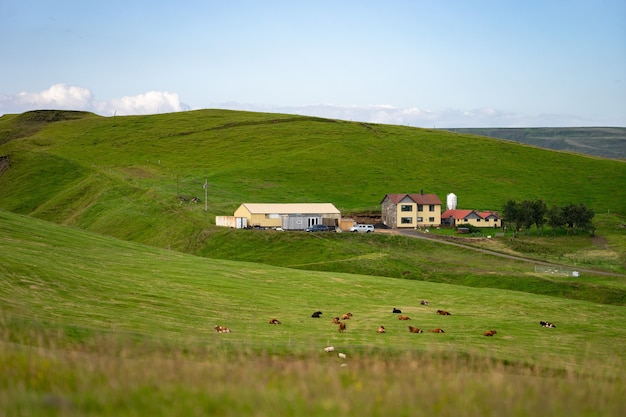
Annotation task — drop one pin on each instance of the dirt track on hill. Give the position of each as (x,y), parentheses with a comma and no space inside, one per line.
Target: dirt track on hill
(447,241)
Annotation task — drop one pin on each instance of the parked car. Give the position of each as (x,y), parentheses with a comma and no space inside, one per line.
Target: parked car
(317,228)
(363,228)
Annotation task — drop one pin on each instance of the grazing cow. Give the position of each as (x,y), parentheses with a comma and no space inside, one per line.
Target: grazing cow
(424,302)
(396,311)
(443,313)
(490,333)
(222,329)
(414,329)
(316,315)
(346,316)
(329,349)
(437,330)
(336,320)
(404,317)
(547,324)
(342,327)
(274,321)
(381,329)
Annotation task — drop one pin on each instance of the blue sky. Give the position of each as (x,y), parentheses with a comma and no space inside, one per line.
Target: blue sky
(440,63)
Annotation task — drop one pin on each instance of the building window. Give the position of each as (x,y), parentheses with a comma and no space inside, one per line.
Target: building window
(431,207)
(420,219)
(420,207)
(406,220)
(431,220)
(406,207)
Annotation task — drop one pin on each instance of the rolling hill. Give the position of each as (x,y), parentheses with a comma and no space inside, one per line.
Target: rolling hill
(122,177)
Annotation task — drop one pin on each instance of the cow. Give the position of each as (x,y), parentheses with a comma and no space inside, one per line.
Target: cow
(342,327)
(274,321)
(437,330)
(381,329)
(396,311)
(316,315)
(547,324)
(424,302)
(414,329)
(336,320)
(222,329)
(489,333)
(443,313)
(401,317)
(346,316)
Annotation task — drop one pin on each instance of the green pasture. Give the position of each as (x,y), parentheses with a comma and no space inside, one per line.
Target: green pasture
(93,325)
(94,284)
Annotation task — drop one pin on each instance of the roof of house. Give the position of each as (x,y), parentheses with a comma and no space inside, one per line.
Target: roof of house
(462,214)
(417,198)
(291,208)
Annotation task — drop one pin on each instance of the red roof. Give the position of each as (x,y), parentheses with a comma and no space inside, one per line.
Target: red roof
(417,198)
(462,214)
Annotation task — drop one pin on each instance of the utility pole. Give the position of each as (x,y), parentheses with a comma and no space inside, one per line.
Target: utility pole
(206,194)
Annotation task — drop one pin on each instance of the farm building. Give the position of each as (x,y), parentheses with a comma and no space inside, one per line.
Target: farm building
(411,210)
(472,217)
(295,216)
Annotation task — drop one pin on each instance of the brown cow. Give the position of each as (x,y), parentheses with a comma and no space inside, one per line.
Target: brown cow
(274,321)
(381,329)
(437,330)
(443,313)
(414,329)
(222,329)
(346,316)
(342,327)
(404,318)
(490,333)
(336,320)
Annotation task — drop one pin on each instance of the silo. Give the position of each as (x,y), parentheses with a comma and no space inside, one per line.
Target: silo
(451,202)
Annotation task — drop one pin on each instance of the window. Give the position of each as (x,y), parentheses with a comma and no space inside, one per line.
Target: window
(406,207)
(406,220)
(431,207)
(420,207)
(431,219)
(420,219)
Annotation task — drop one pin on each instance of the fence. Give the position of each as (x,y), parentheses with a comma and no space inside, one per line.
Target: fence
(549,269)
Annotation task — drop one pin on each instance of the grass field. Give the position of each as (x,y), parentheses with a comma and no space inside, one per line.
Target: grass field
(93,325)
(110,287)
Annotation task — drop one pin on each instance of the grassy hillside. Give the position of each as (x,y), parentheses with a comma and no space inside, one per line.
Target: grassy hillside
(605,142)
(122,176)
(92,325)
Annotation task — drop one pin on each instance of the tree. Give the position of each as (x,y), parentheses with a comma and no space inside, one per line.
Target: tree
(555,218)
(511,215)
(539,210)
(578,217)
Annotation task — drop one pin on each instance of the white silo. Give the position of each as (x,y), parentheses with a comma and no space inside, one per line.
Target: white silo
(451,202)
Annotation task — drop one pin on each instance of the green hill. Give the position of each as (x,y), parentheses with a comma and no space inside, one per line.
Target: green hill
(93,325)
(110,285)
(122,177)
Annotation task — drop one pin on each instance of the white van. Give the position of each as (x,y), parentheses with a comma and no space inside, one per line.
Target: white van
(364,228)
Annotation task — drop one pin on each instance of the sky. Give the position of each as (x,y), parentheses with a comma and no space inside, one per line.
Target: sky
(437,63)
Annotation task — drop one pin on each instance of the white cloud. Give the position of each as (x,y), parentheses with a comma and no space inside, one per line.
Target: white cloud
(64,97)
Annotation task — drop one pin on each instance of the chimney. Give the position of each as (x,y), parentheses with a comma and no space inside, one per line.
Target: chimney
(422,192)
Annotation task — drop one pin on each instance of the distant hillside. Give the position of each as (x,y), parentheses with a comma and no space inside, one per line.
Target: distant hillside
(606,142)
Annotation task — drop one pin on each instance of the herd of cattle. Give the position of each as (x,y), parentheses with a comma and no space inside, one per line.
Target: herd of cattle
(341,322)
